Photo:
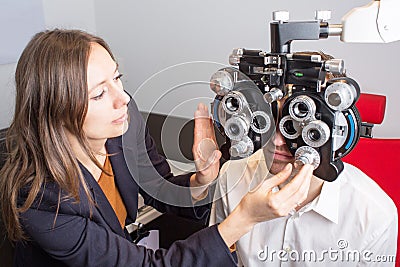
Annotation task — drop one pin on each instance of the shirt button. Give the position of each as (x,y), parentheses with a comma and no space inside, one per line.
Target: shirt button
(288,249)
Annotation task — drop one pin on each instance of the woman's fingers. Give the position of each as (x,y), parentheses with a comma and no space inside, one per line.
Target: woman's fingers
(296,191)
(201,123)
(268,183)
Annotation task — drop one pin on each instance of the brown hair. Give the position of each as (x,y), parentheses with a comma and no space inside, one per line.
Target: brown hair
(51,96)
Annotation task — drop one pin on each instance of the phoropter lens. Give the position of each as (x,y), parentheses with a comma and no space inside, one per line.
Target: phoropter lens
(341,94)
(234,129)
(300,110)
(289,127)
(260,122)
(314,135)
(334,99)
(232,104)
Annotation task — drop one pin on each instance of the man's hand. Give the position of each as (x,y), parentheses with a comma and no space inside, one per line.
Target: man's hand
(205,150)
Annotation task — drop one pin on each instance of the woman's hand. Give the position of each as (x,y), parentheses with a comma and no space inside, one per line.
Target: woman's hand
(205,150)
(262,204)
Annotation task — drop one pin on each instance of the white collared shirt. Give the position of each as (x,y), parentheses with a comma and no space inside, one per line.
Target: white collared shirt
(351,223)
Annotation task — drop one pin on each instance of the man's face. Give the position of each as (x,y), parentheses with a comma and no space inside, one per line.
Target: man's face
(278,149)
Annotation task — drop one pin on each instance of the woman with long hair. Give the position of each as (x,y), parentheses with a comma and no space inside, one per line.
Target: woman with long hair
(78,152)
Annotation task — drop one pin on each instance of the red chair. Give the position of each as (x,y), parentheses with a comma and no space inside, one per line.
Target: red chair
(378,157)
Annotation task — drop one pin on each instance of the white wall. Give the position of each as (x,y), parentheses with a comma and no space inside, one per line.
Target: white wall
(7,94)
(57,13)
(70,14)
(148,36)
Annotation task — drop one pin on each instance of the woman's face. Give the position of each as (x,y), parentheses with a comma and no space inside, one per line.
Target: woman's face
(108,103)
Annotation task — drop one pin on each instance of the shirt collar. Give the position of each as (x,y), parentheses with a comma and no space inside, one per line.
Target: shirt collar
(327,203)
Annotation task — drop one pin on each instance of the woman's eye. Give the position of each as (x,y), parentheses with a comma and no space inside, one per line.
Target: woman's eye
(118,77)
(98,97)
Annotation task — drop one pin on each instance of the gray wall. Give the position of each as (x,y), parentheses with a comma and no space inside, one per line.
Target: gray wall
(149,36)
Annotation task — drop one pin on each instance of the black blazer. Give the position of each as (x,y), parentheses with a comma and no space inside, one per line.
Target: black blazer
(81,235)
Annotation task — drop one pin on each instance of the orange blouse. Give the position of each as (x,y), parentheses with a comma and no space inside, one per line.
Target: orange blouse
(107,184)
